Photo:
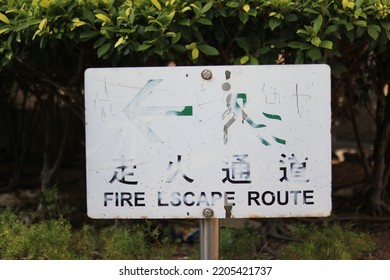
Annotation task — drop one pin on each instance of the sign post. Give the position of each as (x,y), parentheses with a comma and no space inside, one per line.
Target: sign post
(179,142)
(209,239)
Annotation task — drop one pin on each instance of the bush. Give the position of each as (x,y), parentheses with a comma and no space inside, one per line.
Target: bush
(136,242)
(46,240)
(203,31)
(238,244)
(333,242)
(56,240)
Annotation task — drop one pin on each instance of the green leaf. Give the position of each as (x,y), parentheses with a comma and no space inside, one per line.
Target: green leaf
(176,38)
(331,29)
(360,31)
(358,3)
(36,33)
(244,17)
(88,34)
(4,29)
(119,42)
(311,10)
(252,12)
(42,24)
(195,53)
(191,46)
(263,50)
(349,26)
(132,17)
(310,30)
(290,17)
(8,55)
(205,21)
(244,59)
(208,50)
(99,42)
(299,58)
(27,24)
(104,49)
(45,3)
(157,4)
(185,9)
(184,21)
(274,22)
(103,17)
(295,45)
(302,31)
(151,28)
(326,44)
(77,22)
(171,16)
(386,25)
(357,12)
(170,34)
(233,4)
(375,27)
(316,41)
(207,7)
(317,24)
(88,15)
(179,48)
(360,23)
(372,32)
(253,60)
(4,18)
(242,42)
(314,54)
(196,7)
(144,47)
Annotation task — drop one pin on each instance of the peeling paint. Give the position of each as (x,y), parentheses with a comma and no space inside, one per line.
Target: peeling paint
(208,143)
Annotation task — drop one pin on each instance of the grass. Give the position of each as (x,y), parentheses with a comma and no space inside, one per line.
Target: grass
(238,243)
(332,242)
(55,239)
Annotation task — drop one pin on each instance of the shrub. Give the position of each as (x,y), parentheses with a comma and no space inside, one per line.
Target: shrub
(135,242)
(334,242)
(236,31)
(45,240)
(56,240)
(238,243)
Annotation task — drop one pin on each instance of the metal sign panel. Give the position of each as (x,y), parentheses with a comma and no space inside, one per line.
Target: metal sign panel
(239,141)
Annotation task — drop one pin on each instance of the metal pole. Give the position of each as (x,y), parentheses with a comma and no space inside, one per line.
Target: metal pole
(209,237)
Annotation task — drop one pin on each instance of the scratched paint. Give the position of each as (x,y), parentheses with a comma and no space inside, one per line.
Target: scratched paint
(135,112)
(252,141)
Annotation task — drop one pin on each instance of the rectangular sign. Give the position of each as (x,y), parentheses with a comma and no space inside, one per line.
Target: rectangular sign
(239,141)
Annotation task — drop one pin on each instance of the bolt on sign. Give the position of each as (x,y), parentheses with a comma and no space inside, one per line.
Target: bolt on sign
(243,141)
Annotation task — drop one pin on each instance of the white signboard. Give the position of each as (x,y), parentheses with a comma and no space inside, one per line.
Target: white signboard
(243,141)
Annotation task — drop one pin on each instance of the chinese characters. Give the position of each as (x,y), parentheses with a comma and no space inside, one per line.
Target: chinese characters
(293,169)
(239,170)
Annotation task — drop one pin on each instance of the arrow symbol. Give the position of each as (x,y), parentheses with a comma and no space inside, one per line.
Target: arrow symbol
(134,111)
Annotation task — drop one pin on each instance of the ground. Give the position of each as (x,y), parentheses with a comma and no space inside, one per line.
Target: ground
(347,184)
(347,177)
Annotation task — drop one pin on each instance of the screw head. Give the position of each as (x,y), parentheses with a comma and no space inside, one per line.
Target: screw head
(208,213)
(206,74)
